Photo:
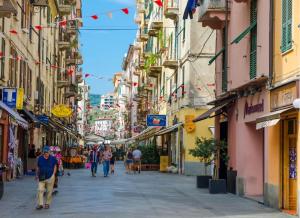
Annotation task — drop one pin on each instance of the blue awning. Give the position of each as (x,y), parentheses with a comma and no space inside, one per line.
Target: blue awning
(14,115)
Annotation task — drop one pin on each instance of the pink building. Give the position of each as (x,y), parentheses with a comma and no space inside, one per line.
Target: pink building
(242,74)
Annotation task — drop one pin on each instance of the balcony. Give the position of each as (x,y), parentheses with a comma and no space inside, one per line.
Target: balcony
(143,35)
(72,28)
(156,20)
(8,7)
(171,9)
(64,41)
(64,8)
(137,18)
(171,61)
(155,70)
(70,94)
(63,83)
(212,13)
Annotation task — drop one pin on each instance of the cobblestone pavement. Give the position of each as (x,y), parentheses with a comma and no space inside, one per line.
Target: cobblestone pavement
(148,195)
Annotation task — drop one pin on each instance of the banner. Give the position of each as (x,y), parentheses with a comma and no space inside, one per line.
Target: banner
(20,97)
(61,111)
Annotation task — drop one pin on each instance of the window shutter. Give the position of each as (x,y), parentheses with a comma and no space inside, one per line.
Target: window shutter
(286,38)
(253,46)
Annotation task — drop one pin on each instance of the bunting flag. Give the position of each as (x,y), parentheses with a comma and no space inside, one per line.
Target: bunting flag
(210,84)
(135,83)
(70,72)
(87,75)
(38,27)
(125,10)
(159,3)
(95,17)
(13,32)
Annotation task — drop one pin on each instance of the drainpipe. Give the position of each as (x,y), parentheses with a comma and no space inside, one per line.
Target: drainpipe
(226,43)
(271,41)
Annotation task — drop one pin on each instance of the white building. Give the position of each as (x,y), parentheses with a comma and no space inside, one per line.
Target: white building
(107,102)
(82,108)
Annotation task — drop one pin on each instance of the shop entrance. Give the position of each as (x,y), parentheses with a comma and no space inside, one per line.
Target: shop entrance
(289,165)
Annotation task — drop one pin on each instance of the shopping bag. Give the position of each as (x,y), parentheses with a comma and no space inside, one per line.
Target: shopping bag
(88,165)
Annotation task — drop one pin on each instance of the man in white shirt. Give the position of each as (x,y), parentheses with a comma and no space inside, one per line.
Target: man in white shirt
(137,155)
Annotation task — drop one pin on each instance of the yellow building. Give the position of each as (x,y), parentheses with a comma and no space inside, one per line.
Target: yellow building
(281,137)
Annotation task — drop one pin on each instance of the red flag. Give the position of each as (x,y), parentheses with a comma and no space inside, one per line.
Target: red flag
(54,66)
(95,17)
(135,83)
(38,27)
(125,10)
(70,72)
(13,32)
(159,3)
(37,62)
(151,85)
(62,23)
(1,54)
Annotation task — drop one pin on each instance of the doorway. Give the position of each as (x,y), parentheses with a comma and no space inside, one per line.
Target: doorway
(289,165)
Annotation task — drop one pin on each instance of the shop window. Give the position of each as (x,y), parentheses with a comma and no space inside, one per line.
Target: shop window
(292,127)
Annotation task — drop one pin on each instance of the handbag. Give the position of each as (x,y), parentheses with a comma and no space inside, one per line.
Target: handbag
(88,165)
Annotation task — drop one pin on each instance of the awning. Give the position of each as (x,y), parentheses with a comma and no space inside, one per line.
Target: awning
(216,56)
(147,133)
(270,119)
(14,115)
(169,129)
(244,33)
(30,116)
(208,114)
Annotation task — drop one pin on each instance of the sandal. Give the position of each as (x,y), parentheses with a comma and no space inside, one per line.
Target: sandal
(46,206)
(39,207)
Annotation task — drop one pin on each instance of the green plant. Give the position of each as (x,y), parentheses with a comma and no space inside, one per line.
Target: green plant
(210,151)
(150,154)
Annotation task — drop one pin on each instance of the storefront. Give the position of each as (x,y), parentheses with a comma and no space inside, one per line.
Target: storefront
(282,146)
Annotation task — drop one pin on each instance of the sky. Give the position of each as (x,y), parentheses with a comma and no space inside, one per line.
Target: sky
(103,51)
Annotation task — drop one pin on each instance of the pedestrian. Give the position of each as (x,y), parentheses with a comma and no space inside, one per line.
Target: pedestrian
(106,156)
(137,155)
(129,160)
(38,152)
(112,163)
(45,174)
(94,160)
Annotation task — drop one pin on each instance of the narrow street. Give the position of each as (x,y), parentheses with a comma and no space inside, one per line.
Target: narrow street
(149,194)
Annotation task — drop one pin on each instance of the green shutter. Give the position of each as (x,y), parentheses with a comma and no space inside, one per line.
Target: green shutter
(253,40)
(287,14)
(216,56)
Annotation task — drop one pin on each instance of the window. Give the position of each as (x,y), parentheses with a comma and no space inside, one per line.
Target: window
(23,75)
(253,39)
(25,14)
(286,37)
(29,84)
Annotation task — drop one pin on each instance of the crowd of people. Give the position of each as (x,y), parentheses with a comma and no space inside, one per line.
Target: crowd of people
(49,167)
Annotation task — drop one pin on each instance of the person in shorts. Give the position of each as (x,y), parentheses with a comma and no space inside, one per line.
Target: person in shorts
(129,160)
(137,155)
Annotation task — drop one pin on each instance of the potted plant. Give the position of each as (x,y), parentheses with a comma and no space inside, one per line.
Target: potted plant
(204,149)
(210,151)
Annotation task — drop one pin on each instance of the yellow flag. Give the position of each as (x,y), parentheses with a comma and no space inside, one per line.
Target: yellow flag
(20,97)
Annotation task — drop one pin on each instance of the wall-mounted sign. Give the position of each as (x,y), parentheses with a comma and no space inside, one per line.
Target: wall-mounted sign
(9,97)
(283,96)
(43,119)
(61,111)
(256,108)
(189,125)
(156,120)
(20,99)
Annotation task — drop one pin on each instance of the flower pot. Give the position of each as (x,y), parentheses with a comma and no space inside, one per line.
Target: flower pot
(217,186)
(203,181)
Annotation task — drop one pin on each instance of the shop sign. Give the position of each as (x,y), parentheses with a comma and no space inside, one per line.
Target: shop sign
(189,125)
(283,96)
(43,119)
(156,120)
(9,97)
(61,111)
(20,97)
(256,108)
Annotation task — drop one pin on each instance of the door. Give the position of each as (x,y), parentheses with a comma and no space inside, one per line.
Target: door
(290,166)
